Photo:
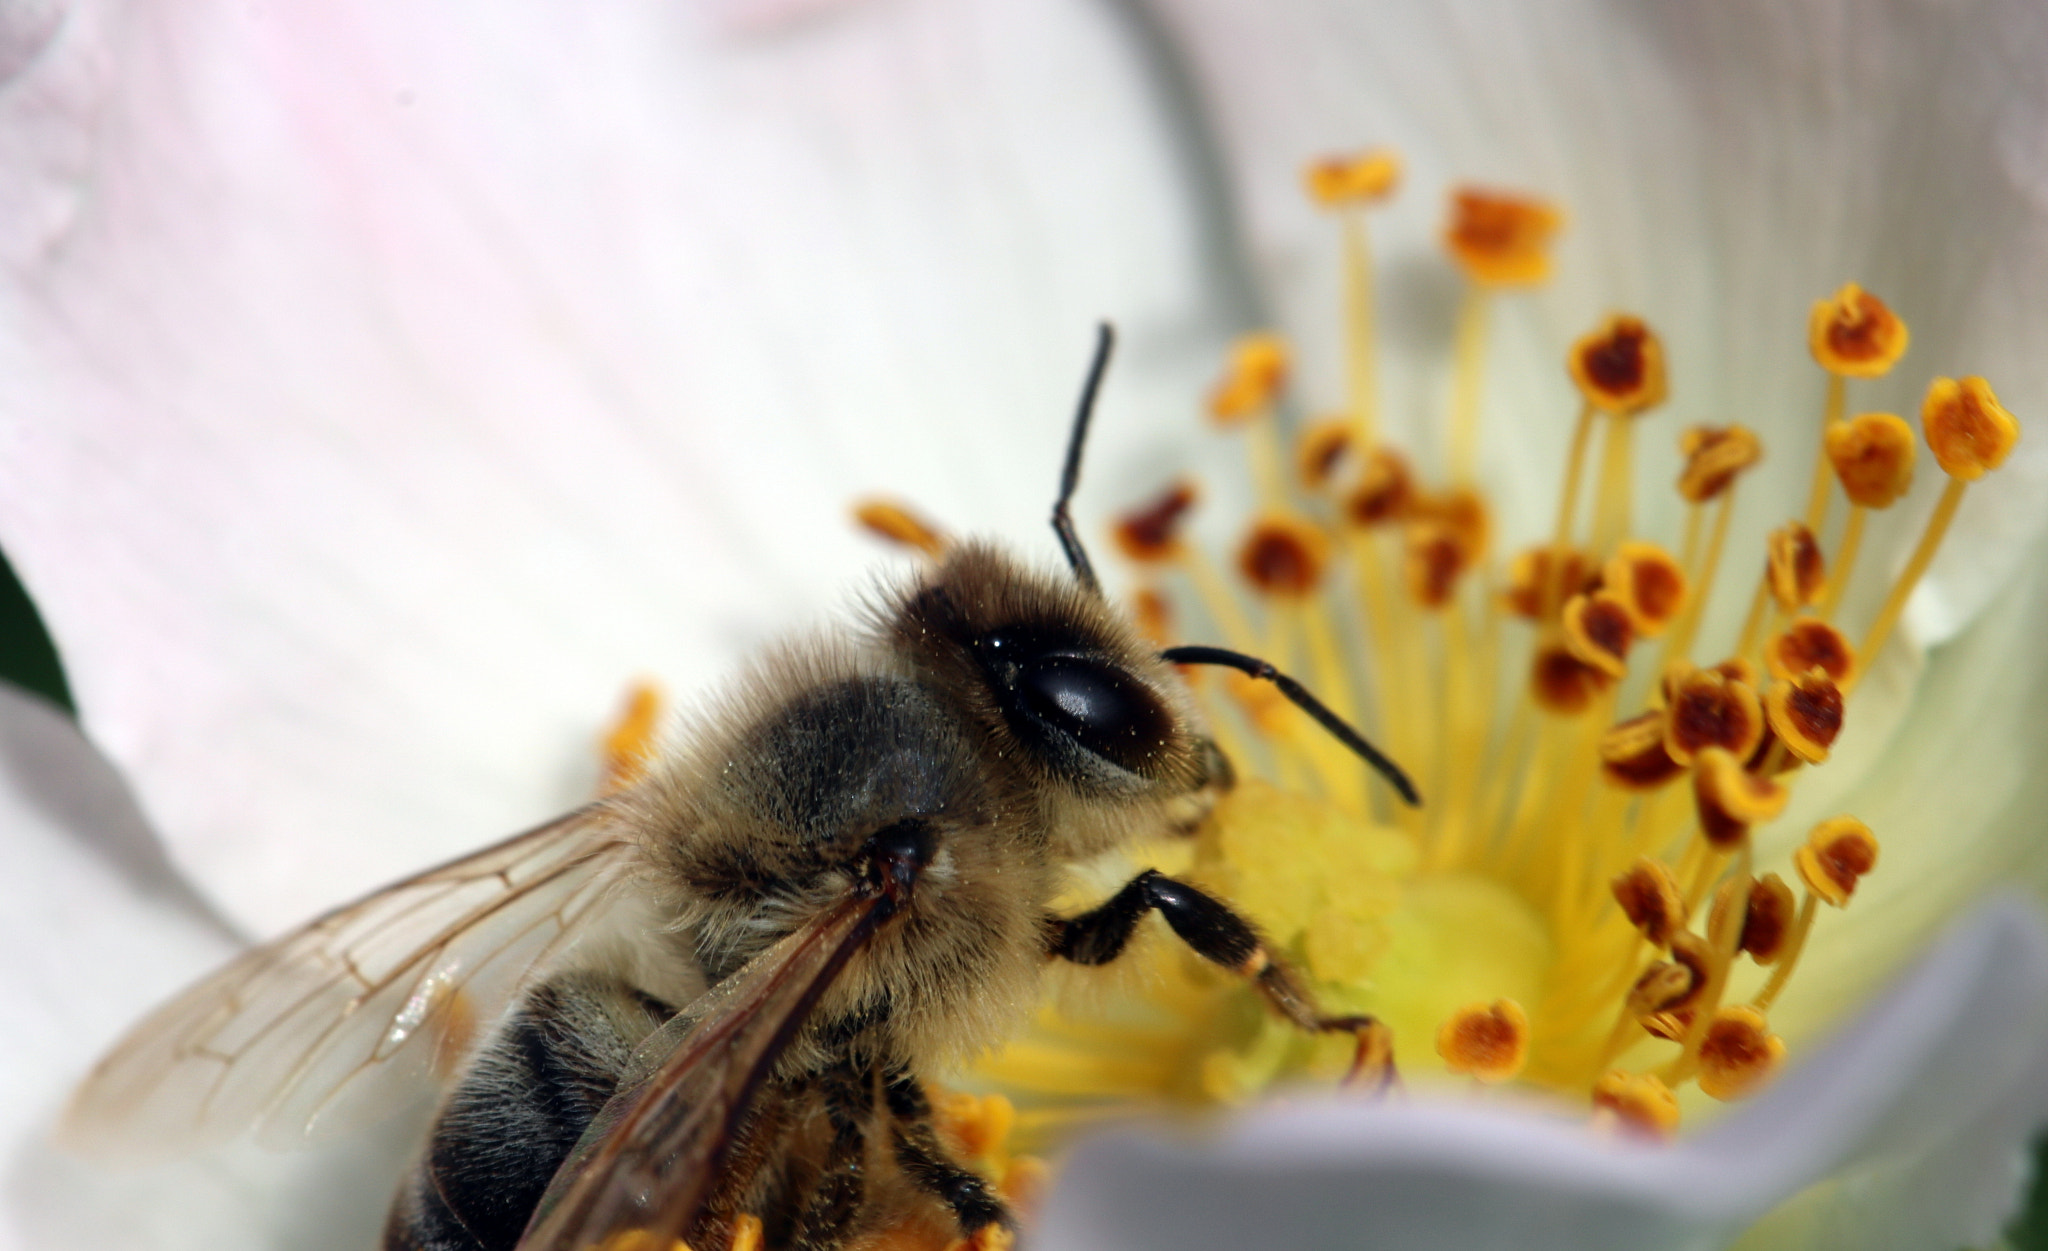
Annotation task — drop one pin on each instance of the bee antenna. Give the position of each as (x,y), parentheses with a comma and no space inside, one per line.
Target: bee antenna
(1070,477)
(1304,700)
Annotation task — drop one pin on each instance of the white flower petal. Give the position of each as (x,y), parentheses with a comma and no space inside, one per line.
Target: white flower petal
(1723,166)
(396,384)
(1952,1059)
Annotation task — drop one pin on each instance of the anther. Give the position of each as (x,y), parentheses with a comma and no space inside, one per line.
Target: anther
(1153,614)
(1650,899)
(1805,713)
(1714,455)
(1384,491)
(1968,430)
(629,747)
(1670,986)
(1797,571)
(1463,512)
(1707,709)
(1730,799)
(1561,683)
(1768,922)
(1873,457)
(1598,630)
(1253,379)
(1619,368)
(1284,556)
(1501,239)
(1530,577)
(1152,533)
(1323,449)
(1356,179)
(889,520)
(1809,643)
(1488,1040)
(1435,561)
(1853,335)
(1738,1053)
(1649,584)
(1633,756)
(1637,1102)
(1836,855)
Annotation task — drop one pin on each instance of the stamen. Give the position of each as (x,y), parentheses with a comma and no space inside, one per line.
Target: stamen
(1152,533)
(1837,854)
(1355,180)
(1598,631)
(1633,755)
(1852,334)
(1348,185)
(1323,450)
(1530,577)
(1767,923)
(1649,584)
(632,743)
(1805,713)
(1730,800)
(1650,899)
(1284,556)
(1872,454)
(1245,396)
(1714,457)
(897,524)
(1708,709)
(1384,492)
(1637,1102)
(1501,239)
(1809,643)
(1796,569)
(1738,1053)
(1488,1040)
(1619,368)
(1436,560)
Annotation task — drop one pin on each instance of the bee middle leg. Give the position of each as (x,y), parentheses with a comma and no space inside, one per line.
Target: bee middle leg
(926,1162)
(1220,936)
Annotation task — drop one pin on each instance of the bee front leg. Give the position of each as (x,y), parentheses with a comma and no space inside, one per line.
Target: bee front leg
(835,1203)
(924,1160)
(1222,937)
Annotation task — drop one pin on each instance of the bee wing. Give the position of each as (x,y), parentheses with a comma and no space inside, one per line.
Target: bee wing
(327,1024)
(653,1154)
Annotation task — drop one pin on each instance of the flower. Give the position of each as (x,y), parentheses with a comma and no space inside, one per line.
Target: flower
(423,378)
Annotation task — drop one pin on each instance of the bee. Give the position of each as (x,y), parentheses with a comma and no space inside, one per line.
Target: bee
(721,991)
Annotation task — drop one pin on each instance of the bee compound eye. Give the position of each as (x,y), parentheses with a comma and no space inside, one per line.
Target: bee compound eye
(1100,707)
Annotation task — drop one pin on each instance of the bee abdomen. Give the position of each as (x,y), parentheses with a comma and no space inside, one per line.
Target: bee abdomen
(515,1115)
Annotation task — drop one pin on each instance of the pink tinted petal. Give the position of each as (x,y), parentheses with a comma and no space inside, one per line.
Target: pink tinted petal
(389,385)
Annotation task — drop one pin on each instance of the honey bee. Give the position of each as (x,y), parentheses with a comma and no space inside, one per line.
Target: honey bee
(720,992)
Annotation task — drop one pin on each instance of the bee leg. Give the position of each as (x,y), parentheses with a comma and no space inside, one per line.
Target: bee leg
(925,1161)
(1222,937)
(835,1201)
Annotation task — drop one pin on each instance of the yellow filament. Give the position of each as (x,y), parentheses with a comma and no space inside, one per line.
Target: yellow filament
(1823,468)
(1689,549)
(1679,646)
(1794,944)
(1469,365)
(1895,604)
(1575,461)
(1262,432)
(1845,560)
(1358,316)
(1611,514)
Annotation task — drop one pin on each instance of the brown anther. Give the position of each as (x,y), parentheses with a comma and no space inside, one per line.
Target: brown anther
(1730,799)
(1252,380)
(1835,856)
(1638,1103)
(1708,709)
(1284,556)
(1968,430)
(1738,1053)
(1434,562)
(1873,457)
(1488,1040)
(1529,578)
(1714,455)
(1649,584)
(1152,533)
(1650,899)
(1853,334)
(1797,571)
(1560,682)
(1633,756)
(889,520)
(1500,239)
(1769,920)
(1669,1026)
(1354,179)
(1463,512)
(1619,368)
(1384,491)
(1806,714)
(1597,630)
(1322,451)
(1809,643)
(1153,613)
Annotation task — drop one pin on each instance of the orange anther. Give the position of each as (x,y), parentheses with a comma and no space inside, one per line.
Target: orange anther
(1384,491)
(1633,755)
(1253,378)
(1968,430)
(1359,178)
(1738,1053)
(1501,239)
(1562,683)
(1705,709)
(1598,631)
(1768,920)
(1649,584)
(1809,643)
(1152,533)
(1806,714)
(1729,799)
(1530,578)
(1836,855)
(1284,555)
(1638,1103)
(1435,560)
(1713,457)
(1488,1040)
(1650,899)
(1797,572)
(1873,457)
(1619,368)
(630,745)
(1322,451)
(1853,334)
(894,522)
